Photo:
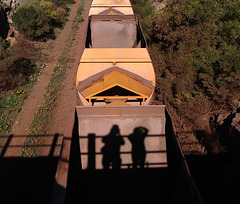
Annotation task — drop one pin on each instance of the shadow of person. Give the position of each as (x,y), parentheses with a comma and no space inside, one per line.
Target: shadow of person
(111,150)
(138,147)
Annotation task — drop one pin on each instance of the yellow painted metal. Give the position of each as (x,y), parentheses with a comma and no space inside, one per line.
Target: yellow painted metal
(116,78)
(119,61)
(118,103)
(139,62)
(127,55)
(90,101)
(111,12)
(99,9)
(144,70)
(109,5)
(99,6)
(111,2)
(115,97)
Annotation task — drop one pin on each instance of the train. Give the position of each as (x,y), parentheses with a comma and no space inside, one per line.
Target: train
(119,147)
(115,68)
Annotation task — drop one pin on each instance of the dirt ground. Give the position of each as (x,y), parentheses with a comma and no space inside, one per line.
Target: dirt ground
(67,98)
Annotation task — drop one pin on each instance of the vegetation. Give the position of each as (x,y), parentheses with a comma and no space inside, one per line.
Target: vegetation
(146,10)
(36,19)
(18,72)
(194,45)
(200,49)
(16,63)
(11,101)
(31,22)
(43,113)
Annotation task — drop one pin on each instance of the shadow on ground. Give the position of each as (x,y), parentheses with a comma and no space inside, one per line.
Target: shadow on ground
(217,177)
(27,179)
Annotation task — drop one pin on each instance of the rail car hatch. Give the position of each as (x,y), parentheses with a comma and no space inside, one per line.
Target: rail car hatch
(114,31)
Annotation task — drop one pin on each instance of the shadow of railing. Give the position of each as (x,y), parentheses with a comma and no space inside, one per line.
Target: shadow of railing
(27,179)
(91,153)
(18,143)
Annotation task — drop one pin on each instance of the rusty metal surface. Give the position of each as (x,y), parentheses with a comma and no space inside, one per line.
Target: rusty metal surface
(114,31)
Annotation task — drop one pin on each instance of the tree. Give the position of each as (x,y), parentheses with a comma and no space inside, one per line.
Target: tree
(146,10)
(31,21)
(200,50)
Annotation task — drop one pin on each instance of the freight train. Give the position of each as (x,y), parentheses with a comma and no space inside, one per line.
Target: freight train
(119,148)
(115,68)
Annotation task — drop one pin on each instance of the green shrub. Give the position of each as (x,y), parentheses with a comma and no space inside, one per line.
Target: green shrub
(15,62)
(37,20)
(63,3)
(29,3)
(146,11)
(4,44)
(188,31)
(57,16)
(60,16)
(31,22)
(47,7)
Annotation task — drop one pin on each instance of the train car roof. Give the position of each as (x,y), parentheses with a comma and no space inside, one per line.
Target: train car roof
(111,2)
(113,10)
(133,60)
(111,7)
(127,55)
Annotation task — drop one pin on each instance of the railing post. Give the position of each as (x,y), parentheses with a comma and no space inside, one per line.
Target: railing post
(91,152)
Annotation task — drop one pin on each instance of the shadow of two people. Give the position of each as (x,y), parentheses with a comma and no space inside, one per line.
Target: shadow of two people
(113,141)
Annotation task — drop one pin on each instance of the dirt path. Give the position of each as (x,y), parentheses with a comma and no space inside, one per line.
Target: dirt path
(67,98)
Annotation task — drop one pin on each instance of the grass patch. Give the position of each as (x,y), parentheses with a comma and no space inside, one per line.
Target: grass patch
(77,19)
(43,113)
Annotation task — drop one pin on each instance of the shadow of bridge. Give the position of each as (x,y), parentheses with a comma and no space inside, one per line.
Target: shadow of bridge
(27,179)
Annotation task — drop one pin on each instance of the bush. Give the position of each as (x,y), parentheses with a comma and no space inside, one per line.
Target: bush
(24,47)
(60,15)
(13,71)
(56,16)
(31,22)
(196,56)
(36,20)
(146,11)
(199,49)
(63,3)
(15,63)
(4,44)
